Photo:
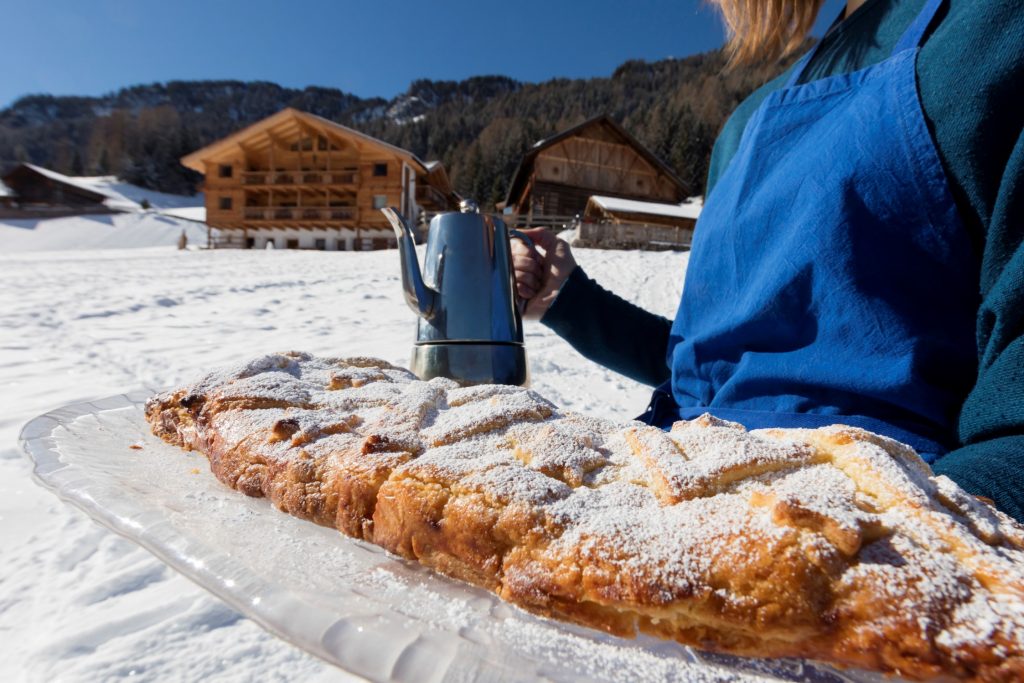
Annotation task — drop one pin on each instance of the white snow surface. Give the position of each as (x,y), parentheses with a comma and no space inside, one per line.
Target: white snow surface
(192,213)
(79,603)
(121,195)
(135,227)
(98,231)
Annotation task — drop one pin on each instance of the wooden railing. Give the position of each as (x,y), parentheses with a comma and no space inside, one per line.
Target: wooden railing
(295,213)
(300,178)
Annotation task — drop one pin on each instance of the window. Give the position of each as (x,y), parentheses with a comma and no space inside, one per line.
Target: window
(380,170)
(380,201)
(250,242)
(341,245)
(320,243)
(292,244)
(226,170)
(225,203)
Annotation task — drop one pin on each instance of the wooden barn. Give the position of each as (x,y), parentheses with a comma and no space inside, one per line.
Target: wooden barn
(617,223)
(36,192)
(557,176)
(299,181)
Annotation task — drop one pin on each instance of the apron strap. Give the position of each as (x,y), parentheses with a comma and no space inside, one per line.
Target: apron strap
(914,34)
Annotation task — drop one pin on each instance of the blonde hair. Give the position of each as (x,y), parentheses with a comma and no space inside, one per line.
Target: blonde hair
(766,29)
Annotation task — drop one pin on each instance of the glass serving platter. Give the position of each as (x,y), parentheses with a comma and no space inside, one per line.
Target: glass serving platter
(346,601)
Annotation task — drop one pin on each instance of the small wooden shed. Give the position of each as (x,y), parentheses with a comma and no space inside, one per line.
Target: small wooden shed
(617,223)
(557,176)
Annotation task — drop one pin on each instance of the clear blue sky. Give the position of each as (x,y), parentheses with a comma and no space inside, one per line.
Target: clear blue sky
(366,47)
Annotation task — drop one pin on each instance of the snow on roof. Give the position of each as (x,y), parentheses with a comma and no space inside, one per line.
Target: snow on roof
(5,191)
(119,194)
(688,209)
(68,180)
(431,165)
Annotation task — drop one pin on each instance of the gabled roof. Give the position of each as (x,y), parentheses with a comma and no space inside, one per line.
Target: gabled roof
(285,119)
(80,187)
(526,163)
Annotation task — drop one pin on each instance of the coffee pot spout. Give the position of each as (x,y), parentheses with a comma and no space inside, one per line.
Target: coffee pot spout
(421,298)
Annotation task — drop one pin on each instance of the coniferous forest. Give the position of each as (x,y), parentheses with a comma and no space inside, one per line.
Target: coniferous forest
(479,127)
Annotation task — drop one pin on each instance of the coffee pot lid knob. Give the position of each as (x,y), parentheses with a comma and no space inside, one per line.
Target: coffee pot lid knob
(469,206)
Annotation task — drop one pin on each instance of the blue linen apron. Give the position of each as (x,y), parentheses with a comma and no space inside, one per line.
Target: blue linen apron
(831,279)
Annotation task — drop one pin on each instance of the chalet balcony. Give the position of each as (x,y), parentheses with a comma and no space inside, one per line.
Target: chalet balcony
(297,213)
(288,178)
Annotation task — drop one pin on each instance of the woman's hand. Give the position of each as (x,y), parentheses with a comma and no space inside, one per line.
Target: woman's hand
(540,270)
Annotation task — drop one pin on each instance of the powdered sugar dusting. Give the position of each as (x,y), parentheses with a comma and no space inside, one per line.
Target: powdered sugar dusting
(754,536)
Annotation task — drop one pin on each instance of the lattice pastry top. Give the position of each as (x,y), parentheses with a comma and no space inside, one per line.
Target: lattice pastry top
(834,544)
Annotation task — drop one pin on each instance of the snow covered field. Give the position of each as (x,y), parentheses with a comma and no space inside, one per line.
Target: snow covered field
(161,225)
(99,231)
(78,603)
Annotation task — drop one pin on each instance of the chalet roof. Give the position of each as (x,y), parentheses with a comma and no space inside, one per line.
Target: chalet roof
(283,118)
(689,209)
(526,163)
(79,186)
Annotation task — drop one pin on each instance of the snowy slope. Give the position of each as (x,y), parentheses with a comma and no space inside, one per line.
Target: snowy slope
(78,603)
(136,227)
(98,231)
(128,194)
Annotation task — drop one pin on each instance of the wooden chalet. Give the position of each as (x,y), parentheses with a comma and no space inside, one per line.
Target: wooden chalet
(617,223)
(30,191)
(557,176)
(295,180)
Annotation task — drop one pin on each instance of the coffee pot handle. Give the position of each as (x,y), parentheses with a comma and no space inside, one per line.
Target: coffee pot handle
(514,234)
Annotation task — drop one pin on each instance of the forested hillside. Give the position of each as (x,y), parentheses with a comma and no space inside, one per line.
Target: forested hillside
(478,127)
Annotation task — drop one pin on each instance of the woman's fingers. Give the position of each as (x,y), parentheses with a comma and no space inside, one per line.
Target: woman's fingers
(532,265)
(528,281)
(525,292)
(527,263)
(542,237)
(539,273)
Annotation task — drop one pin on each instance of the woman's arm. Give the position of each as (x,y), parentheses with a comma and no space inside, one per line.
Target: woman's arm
(602,326)
(991,425)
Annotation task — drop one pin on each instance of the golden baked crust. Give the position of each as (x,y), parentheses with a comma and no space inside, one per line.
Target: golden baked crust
(833,544)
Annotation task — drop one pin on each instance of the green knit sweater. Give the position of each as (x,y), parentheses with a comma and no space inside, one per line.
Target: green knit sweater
(971,80)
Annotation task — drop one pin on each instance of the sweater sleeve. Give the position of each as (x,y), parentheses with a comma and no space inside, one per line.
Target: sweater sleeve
(991,427)
(609,330)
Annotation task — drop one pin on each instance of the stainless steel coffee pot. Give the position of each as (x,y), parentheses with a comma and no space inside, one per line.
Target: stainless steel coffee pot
(469,328)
